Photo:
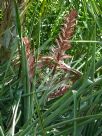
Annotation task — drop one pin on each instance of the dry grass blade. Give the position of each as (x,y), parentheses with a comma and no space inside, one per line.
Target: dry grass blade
(30,58)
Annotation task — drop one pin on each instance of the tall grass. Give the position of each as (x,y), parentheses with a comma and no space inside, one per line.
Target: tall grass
(63,96)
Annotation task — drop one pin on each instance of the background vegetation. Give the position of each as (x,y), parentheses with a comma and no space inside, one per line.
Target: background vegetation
(31,106)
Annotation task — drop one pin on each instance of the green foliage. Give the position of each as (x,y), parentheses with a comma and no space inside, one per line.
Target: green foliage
(1,15)
(26,106)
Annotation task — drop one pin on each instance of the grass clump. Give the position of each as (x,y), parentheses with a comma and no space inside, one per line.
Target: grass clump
(50,68)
